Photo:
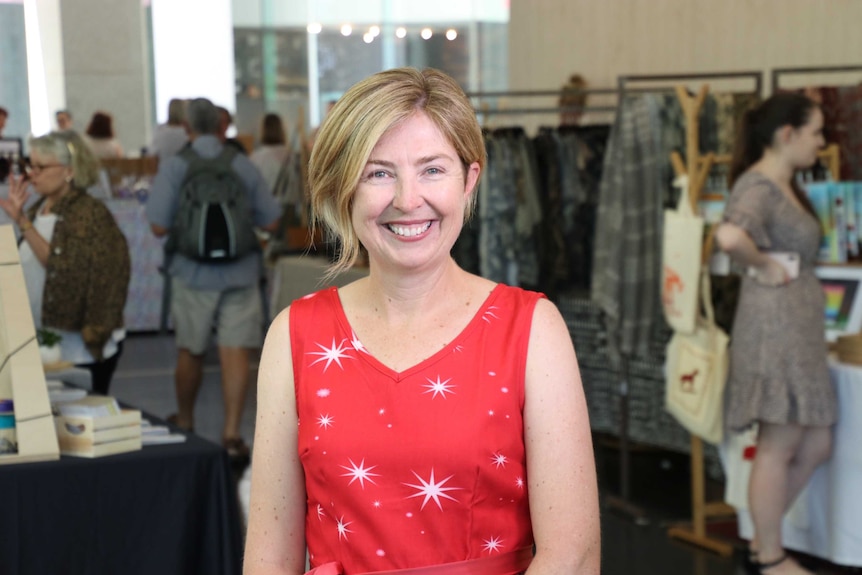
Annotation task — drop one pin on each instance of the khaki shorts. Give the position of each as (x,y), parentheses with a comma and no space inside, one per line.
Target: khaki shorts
(237,315)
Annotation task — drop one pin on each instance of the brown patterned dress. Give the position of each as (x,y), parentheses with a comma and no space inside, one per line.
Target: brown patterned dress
(778,370)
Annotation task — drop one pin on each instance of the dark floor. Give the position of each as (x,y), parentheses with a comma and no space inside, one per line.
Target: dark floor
(659,480)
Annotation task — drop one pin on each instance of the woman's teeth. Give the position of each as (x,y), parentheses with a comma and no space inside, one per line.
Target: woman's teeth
(408,231)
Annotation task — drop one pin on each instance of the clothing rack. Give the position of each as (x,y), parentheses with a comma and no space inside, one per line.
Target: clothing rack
(622,502)
(777,73)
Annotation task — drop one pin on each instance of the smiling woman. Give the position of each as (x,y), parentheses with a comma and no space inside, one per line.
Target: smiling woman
(442,421)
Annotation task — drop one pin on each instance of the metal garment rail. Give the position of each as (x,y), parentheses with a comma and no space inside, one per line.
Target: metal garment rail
(622,502)
(777,73)
(556,109)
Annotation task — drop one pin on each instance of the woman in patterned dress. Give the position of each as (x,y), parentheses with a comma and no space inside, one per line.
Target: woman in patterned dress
(778,373)
(422,419)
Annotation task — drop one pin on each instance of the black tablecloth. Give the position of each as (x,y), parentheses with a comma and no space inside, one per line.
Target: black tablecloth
(165,509)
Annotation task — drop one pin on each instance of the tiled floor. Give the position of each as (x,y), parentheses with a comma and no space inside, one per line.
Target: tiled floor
(659,480)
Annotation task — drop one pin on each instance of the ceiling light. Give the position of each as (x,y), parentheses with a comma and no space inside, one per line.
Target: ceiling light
(400,32)
(451,34)
(426,33)
(346,30)
(314,28)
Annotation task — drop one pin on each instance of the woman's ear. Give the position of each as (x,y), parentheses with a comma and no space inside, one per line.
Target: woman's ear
(784,134)
(472,179)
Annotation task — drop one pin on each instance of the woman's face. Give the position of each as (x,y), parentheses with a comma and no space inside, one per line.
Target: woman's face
(409,205)
(48,176)
(804,142)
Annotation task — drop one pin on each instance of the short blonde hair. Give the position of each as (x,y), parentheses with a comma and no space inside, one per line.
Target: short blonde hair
(69,149)
(356,123)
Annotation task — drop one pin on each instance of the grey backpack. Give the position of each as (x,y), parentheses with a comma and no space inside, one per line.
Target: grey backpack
(214,219)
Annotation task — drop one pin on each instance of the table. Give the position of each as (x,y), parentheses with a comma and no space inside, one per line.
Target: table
(167,509)
(825,520)
(143,311)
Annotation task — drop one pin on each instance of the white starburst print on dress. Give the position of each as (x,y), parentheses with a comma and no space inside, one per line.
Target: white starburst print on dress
(359,472)
(329,354)
(320,512)
(438,387)
(356,344)
(493,544)
(324,421)
(489,313)
(432,490)
(520,482)
(499,460)
(342,528)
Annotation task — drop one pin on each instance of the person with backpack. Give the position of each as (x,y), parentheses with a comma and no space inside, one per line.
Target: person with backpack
(207,200)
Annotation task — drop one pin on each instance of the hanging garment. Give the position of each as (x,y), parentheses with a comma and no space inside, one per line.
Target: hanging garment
(626,270)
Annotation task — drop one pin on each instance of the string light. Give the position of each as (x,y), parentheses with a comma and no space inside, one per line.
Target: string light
(368,38)
(314,28)
(374,31)
(346,30)
(426,33)
(400,32)
(451,34)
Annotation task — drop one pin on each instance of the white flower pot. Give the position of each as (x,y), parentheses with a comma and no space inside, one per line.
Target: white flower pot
(50,355)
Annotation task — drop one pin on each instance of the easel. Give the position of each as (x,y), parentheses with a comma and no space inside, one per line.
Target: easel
(697,171)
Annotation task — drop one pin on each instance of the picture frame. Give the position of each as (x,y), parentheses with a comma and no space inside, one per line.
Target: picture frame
(842,286)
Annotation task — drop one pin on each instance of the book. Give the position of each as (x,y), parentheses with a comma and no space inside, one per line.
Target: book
(91,406)
(162,439)
(101,449)
(82,434)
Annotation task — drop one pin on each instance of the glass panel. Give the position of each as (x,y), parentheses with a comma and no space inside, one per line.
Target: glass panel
(281,66)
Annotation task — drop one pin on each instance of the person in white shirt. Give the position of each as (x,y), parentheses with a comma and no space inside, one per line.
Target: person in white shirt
(273,150)
(169,138)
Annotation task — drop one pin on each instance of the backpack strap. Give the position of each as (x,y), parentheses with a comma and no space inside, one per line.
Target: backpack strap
(197,163)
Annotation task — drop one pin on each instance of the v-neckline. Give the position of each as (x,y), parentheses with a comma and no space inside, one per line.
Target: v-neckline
(398,376)
(792,201)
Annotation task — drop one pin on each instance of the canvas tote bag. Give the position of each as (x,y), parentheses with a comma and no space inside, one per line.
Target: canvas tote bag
(681,256)
(696,371)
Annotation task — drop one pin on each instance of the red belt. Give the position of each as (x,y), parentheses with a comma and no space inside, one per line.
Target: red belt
(511,562)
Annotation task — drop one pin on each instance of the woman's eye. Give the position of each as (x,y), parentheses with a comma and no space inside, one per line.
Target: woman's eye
(377,174)
(434,171)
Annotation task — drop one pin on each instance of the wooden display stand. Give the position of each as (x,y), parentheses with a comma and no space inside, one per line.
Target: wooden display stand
(697,171)
(136,168)
(21,375)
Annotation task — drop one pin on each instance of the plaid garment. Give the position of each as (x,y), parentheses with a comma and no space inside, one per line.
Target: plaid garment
(628,235)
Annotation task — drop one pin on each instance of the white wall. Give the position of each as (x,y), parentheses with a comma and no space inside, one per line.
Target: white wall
(601,39)
(193,52)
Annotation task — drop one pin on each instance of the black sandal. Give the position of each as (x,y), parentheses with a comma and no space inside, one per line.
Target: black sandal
(761,566)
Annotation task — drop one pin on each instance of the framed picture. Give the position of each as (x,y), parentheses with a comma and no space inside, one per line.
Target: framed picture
(842,286)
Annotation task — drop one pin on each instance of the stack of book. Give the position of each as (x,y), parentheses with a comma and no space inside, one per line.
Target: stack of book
(95,426)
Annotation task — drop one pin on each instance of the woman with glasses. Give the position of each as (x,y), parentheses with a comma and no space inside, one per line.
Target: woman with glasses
(74,256)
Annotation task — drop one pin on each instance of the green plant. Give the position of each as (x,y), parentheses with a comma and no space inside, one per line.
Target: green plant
(48,338)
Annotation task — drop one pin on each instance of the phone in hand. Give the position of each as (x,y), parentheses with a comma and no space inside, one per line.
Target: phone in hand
(789,261)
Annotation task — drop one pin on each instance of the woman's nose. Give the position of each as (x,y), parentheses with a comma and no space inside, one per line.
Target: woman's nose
(408,195)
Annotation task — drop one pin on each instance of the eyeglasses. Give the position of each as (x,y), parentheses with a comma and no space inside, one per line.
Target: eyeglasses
(37,168)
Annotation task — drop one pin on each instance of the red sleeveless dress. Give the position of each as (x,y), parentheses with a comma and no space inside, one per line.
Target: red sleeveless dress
(421,467)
